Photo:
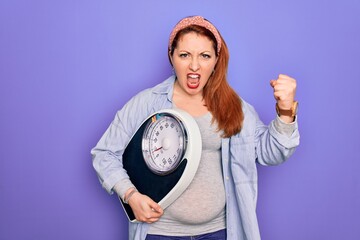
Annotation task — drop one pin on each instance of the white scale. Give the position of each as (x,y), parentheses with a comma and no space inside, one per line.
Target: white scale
(163,155)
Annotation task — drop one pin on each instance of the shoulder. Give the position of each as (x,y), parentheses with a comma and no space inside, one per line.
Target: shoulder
(146,102)
(248,109)
(163,88)
(251,120)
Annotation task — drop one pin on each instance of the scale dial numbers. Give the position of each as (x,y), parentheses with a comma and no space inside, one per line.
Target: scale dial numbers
(163,143)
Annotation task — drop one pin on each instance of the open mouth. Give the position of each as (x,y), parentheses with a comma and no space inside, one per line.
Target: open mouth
(193,81)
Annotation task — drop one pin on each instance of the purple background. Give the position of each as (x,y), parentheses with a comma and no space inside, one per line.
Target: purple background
(67,66)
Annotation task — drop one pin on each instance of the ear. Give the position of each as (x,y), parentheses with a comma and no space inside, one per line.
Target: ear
(171,59)
(216,62)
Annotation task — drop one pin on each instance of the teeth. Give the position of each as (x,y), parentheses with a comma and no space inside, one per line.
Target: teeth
(194,76)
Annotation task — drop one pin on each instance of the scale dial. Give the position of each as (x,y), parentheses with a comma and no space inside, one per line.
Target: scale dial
(163,143)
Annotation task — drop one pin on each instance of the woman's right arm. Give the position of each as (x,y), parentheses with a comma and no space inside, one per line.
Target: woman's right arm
(107,158)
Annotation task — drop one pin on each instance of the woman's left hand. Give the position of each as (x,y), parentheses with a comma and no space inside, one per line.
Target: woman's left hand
(284,92)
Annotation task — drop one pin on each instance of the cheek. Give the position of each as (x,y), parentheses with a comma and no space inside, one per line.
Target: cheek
(210,68)
(179,66)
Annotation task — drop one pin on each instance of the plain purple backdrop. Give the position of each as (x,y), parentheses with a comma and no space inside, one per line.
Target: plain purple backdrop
(67,66)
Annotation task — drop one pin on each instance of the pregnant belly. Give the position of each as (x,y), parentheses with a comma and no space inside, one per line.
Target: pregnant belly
(203,200)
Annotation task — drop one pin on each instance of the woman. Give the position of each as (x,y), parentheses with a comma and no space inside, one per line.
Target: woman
(221,200)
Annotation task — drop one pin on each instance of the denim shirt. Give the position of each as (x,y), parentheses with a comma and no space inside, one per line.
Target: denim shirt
(256,143)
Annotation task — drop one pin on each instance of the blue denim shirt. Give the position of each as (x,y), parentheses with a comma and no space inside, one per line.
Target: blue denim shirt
(256,143)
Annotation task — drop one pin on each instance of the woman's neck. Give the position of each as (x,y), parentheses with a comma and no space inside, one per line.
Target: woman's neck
(193,104)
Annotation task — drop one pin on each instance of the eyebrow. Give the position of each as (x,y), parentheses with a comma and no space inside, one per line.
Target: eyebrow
(205,51)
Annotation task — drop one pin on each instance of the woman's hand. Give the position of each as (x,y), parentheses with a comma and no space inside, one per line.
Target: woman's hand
(284,93)
(144,208)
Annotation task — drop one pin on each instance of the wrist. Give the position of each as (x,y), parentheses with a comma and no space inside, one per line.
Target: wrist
(287,119)
(129,194)
(287,114)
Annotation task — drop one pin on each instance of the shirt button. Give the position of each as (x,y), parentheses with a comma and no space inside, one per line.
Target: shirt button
(227,178)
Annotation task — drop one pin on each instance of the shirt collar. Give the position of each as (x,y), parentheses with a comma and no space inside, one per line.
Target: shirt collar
(166,87)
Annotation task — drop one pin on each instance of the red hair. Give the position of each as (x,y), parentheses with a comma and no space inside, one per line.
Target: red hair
(221,100)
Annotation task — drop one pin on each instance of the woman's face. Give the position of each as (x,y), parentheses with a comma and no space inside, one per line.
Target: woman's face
(194,60)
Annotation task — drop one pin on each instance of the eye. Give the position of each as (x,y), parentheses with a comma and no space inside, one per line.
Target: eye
(183,55)
(206,56)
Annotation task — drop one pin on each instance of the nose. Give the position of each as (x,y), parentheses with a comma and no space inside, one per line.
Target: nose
(194,65)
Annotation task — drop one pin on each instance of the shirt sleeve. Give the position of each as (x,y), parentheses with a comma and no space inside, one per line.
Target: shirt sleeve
(276,142)
(284,128)
(107,154)
(107,157)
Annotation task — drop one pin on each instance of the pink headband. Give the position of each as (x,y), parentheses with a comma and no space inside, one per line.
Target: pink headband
(199,21)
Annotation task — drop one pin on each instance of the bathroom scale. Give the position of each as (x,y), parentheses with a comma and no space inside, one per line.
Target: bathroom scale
(162,156)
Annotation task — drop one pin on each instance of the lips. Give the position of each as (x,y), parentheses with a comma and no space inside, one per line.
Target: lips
(193,80)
